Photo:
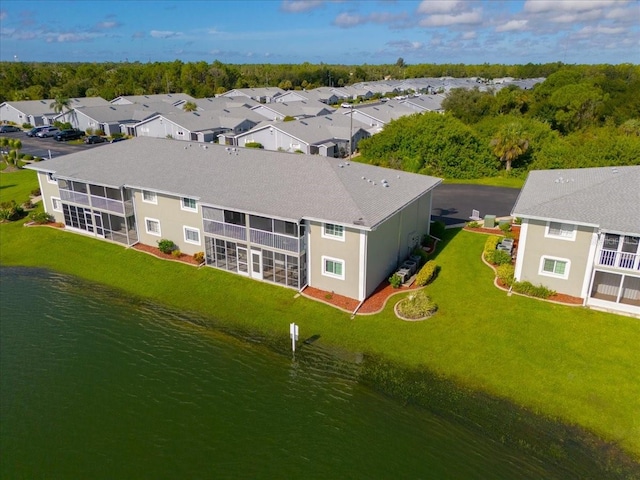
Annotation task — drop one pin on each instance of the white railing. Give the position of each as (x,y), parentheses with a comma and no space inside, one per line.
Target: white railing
(613,258)
(225,229)
(74,197)
(274,240)
(108,204)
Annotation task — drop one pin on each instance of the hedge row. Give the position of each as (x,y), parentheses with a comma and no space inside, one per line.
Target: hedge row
(426,273)
(505,274)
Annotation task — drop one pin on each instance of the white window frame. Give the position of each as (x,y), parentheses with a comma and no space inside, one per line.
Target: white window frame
(569,236)
(333,236)
(154,197)
(567,267)
(150,232)
(186,229)
(51,178)
(327,273)
(188,209)
(56,201)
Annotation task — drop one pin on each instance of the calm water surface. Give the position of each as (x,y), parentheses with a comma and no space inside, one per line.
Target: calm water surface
(97,386)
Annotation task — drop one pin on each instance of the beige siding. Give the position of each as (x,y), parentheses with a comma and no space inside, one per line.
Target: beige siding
(575,251)
(49,190)
(347,251)
(172,219)
(391,242)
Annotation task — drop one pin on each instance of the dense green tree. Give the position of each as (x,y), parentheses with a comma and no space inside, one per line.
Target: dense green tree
(190,107)
(510,142)
(60,104)
(469,105)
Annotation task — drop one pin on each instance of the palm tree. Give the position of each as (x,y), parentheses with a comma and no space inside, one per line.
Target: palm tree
(510,143)
(190,107)
(60,104)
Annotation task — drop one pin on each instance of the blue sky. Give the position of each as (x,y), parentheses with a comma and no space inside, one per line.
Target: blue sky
(330,31)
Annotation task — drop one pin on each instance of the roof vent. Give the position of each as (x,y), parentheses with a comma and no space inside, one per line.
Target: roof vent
(385,185)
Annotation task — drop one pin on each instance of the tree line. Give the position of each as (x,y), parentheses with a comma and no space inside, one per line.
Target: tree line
(580,116)
(34,81)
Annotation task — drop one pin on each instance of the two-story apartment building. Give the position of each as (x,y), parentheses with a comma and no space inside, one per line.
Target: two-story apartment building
(289,219)
(580,234)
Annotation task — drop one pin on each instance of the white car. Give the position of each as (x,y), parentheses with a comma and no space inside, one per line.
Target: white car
(47,132)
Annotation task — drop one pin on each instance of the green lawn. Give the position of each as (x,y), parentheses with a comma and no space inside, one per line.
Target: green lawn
(569,363)
(509,182)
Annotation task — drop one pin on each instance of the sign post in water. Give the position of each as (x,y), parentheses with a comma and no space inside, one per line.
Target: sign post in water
(293,331)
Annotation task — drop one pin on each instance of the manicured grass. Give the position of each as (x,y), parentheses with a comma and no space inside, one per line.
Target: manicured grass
(17,185)
(509,182)
(569,363)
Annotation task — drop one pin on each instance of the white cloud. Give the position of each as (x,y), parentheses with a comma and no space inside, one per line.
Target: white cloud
(164,34)
(469,35)
(512,25)
(69,37)
(600,30)
(297,6)
(430,7)
(3,15)
(552,6)
(473,17)
(406,46)
(348,20)
(107,25)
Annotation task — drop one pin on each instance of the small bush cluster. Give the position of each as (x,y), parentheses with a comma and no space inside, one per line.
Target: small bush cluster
(498,257)
(11,211)
(424,256)
(505,274)
(426,273)
(395,281)
(40,218)
(473,224)
(490,247)
(504,227)
(198,257)
(528,288)
(417,305)
(253,145)
(166,246)
(176,253)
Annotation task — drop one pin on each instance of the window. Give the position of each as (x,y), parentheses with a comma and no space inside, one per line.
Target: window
(333,267)
(149,197)
(554,267)
(234,218)
(153,226)
(57,204)
(333,231)
(562,231)
(192,235)
(189,204)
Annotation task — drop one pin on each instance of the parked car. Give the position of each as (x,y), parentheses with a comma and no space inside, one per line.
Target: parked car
(47,132)
(34,131)
(9,129)
(70,134)
(91,139)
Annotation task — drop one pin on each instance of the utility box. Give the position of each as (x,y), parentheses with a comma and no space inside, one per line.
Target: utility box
(489,221)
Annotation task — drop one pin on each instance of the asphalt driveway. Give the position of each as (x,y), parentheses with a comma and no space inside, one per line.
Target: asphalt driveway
(453,203)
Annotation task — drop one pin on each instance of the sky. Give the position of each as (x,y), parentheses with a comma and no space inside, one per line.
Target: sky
(351,32)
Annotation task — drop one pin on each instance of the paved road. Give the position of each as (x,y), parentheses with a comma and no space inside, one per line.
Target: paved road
(453,203)
(47,147)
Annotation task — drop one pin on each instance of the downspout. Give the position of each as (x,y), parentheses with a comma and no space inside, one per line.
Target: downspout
(593,271)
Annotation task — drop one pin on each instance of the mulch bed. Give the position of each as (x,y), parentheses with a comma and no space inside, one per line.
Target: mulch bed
(184,258)
(557,298)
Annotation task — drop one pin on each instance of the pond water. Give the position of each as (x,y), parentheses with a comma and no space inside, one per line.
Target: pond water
(95,385)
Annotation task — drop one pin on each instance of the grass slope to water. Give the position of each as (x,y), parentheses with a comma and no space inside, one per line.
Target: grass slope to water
(569,363)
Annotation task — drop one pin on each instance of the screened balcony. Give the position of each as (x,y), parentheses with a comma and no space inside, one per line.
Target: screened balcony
(618,251)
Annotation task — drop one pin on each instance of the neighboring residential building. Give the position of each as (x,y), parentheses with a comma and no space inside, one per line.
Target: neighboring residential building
(278,217)
(424,103)
(260,95)
(318,95)
(40,112)
(175,99)
(278,111)
(327,136)
(580,234)
(377,115)
(200,126)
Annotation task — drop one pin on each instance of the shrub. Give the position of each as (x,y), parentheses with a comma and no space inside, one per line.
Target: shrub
(437,229)
(505,274)
(395,280)
(40,218)
(166,246)
(490,246)
(498,257)
(517,221)
(27,125)
(176,253)
(198,257)
(424,256)
(417,305)
(89,131)
(473,224)
(426,273)
(35,192)
(26,156)
(288,118)
(504,227)
(253,145)
(117,135)
(528,288)
(11,211)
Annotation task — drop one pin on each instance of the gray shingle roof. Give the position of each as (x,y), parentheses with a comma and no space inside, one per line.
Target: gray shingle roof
(282,185)
(607,197)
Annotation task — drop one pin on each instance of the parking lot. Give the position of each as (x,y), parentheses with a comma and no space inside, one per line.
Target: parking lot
(47,147)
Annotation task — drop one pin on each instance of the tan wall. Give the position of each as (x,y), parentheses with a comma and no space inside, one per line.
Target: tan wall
(348,251)
(576,251)
(389,244)
(49,190)
(172,219)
